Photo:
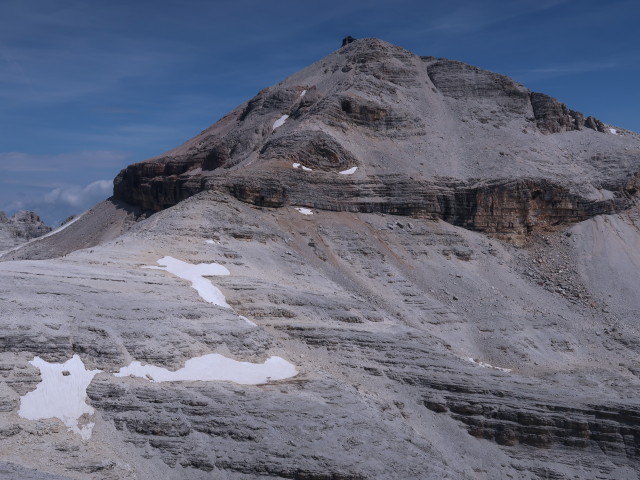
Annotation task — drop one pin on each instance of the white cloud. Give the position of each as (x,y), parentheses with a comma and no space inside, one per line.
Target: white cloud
(80,197)
(12,206)
(57,185)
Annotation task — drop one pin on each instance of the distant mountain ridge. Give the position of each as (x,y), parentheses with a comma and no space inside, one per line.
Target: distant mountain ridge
(20,228)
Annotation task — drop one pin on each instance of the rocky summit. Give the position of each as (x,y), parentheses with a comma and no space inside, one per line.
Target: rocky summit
(386,266)
(20,228)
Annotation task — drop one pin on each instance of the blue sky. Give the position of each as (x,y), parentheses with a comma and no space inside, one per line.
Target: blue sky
(87,87)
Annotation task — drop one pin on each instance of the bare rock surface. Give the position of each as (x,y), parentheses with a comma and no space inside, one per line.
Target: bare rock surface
(424,350)
(105,221)
(20,228)
(424,347)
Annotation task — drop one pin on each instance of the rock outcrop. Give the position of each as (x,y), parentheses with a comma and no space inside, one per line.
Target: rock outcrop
(20,228)
(553,116)
(429,137)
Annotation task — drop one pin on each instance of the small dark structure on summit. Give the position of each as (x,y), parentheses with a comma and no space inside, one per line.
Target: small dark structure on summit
(347,40)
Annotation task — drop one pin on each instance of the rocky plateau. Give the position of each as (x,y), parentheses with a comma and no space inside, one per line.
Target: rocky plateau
(449,260)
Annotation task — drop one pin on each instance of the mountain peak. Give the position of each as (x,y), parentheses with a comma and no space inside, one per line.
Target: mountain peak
(391,117)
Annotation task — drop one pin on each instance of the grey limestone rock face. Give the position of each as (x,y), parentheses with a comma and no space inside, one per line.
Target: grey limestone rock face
(424,350)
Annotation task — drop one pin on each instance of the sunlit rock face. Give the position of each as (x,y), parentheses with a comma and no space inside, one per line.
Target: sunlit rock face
(386,266)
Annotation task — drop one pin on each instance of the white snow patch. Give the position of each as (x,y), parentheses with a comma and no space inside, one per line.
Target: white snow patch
(302,93)
(486,365)
(195,274)
(606,194)
(211,242)
(61,394)
(614,131)
(304,211)
(215,367)
(349,171)
(298,165)
(248,321)
(279,122)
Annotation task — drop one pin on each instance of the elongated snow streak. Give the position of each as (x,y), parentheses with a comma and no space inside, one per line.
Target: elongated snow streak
(61,394)
(215,367)
(302,93)
(349,171)
(62,227)
(279,122)
(304,211)
(486,365)
(195,274)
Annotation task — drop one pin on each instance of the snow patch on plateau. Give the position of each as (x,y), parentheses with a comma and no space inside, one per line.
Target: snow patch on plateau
(280,121)
(62,394)
(349,171)
(614,131)
(215,367)
(304,211)
(195,274)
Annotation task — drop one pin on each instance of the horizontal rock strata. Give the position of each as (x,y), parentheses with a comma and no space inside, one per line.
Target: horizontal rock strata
(509,206)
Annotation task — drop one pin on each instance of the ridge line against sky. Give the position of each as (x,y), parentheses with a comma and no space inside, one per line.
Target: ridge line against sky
(87,87)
